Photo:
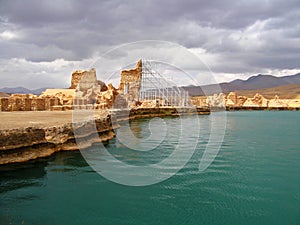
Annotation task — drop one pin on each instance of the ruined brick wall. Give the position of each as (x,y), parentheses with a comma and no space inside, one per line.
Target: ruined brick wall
(4,104)
(27,102)
(89,93)
(19,102)
(38,104)
(130,83)
(106,99)
(83,80)
(51,102)
(85,92)
(64,96)
(200,101)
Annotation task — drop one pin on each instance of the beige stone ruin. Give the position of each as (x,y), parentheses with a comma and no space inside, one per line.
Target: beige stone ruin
(257,101)
(130,84)
(86,92)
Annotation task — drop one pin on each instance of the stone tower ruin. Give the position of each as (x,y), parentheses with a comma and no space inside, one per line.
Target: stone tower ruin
(130,83)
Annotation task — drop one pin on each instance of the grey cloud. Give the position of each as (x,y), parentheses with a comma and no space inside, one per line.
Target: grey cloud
(77,30)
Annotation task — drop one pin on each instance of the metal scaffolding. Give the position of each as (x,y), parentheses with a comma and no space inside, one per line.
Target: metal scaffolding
(154,87)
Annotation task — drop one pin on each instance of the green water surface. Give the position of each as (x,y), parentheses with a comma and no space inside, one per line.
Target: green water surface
(255,179)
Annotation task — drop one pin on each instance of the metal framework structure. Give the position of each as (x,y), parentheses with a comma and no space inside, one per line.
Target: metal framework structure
(155,87)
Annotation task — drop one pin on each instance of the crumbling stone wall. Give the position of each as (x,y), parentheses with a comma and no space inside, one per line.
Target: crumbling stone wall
(64,96)
(4,106)
(51,102)
(38,104)
(106,99)
(257,101)
(27,102)
(20,102)
(90,92)
(130,83)
(200,101)
(217,100)
(83,80)
(86,92)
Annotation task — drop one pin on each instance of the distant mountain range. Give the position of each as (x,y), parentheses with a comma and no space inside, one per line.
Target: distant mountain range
(22,90)
(253,83)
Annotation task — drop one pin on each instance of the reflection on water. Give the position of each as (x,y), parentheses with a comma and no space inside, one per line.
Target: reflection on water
(30,172)
(136,128)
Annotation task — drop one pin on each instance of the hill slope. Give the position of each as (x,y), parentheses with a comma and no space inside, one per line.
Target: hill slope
(288,91)
(22,90)
(253,83)
(265,81)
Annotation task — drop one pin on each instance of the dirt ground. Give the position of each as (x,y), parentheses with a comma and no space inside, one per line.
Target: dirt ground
(13,120)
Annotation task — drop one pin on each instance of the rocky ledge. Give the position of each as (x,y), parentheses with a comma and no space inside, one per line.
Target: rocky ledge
(26,143)
(40,134)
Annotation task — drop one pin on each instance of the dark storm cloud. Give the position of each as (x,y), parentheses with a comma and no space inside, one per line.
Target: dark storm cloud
(258,34)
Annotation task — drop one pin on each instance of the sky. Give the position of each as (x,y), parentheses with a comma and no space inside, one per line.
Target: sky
(42,42)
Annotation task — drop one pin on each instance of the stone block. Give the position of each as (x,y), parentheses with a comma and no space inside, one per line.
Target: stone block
(4,105)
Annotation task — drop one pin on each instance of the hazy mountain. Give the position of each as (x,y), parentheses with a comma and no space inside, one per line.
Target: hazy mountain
(265,81)
(252,83)
(22,90)
(16,90)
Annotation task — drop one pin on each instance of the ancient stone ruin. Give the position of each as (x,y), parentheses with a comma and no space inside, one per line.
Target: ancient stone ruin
(27,102)
(130,83)
(136,90)
(233,100)
(85,92)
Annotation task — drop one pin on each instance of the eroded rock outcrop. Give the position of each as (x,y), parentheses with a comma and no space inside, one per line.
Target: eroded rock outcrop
(23,144)
(276,102)
(234,101)
(217,100)
(257,101)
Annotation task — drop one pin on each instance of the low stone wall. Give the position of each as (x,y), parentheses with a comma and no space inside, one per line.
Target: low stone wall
(26,102)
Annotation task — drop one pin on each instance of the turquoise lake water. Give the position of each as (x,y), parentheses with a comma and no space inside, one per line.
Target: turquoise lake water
(255,179)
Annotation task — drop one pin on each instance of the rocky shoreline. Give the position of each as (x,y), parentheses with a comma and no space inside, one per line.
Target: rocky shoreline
(41,134)
(32,142)
(38,126)
(38,138)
